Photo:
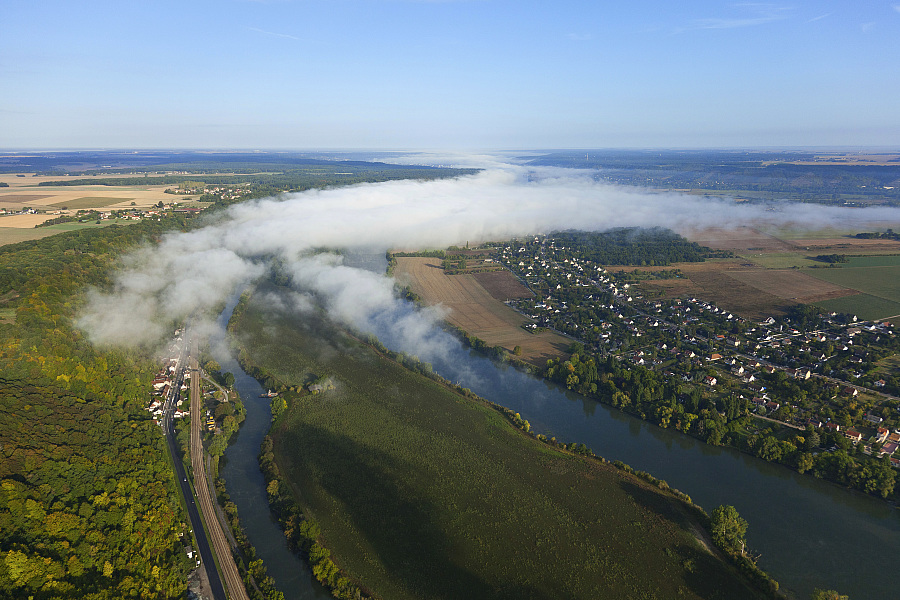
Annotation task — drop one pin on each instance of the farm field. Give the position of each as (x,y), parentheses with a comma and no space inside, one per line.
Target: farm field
(732,285)
(872,261)
(23,192)
(12,235)
(789,284)
(91,202)
(474,309)
(781,260)
(773,271)
(882,281)
(865,306)
(422,493)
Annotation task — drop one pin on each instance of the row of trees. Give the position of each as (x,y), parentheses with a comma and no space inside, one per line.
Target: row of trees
(720,420)
(632,246)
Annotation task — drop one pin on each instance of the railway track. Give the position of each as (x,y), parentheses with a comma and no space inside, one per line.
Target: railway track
(234,585)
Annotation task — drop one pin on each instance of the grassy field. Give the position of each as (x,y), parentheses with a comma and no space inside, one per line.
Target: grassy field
(422,493)
(864,306)
(889,366)
(881,285)
(12,235)
(781,260)
(90,202)
(873,261)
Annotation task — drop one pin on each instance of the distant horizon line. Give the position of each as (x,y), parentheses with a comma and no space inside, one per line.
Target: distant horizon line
(774,148)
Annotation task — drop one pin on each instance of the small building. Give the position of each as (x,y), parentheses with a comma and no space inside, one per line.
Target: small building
(853,435)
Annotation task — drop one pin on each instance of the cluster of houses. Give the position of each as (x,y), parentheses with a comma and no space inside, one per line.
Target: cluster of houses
(225,192)
(163,384)
(883,442)
(578,291)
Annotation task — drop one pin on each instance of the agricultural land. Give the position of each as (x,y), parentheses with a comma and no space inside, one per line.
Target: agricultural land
(421,492)
(721,347)
(475,304)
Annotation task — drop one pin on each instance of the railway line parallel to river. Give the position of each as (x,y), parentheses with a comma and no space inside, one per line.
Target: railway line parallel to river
(234,584)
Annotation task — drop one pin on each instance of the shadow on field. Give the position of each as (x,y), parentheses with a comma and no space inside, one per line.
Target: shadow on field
(393,518)
(705,574)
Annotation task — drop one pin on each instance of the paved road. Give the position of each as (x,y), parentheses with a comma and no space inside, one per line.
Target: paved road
(233,581)
(203,548)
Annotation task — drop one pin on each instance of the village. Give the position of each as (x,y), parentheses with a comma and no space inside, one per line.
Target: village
(171,388)
(802,371)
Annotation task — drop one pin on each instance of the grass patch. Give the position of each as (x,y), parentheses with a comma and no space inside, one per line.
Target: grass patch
(74,226)
(781,260)
(90,202)
(884,260)
(7,315)
(864,306)
(422,493)
(889,365)
(14,235)
(880,281)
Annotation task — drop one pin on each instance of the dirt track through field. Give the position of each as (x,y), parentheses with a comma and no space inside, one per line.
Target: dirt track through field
(473,308)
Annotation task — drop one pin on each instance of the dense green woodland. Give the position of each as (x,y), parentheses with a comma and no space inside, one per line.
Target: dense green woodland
(634,246)
(88,505)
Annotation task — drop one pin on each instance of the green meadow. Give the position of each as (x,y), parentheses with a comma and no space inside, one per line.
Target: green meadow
(864,306)
(781,260)
(876,277)
(423,493)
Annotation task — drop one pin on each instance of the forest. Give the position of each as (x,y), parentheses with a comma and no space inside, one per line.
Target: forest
(88,506)
(634,246)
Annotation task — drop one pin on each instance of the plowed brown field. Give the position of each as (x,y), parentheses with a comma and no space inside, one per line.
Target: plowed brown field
(476,310)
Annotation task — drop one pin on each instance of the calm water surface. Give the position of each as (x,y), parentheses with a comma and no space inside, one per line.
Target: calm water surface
(808,533)
(246,486)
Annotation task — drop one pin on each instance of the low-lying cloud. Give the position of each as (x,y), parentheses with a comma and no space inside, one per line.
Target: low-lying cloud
(189,273)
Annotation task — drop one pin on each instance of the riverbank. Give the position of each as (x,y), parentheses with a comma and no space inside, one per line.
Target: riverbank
(384,444)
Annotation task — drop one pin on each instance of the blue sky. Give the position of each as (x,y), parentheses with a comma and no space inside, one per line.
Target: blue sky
(452,74)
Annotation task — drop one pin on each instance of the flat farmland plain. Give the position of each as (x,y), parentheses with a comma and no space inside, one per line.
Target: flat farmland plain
(23,192)
(474,309)
(880,286)
(790,284)
(734,285)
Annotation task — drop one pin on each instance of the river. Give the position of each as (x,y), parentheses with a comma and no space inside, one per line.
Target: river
(808,533)
(246,486)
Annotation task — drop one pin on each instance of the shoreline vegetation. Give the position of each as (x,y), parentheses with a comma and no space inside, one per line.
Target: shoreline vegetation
(642,392)
(304,530)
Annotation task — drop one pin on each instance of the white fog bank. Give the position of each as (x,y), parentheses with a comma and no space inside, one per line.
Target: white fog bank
(187,273)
